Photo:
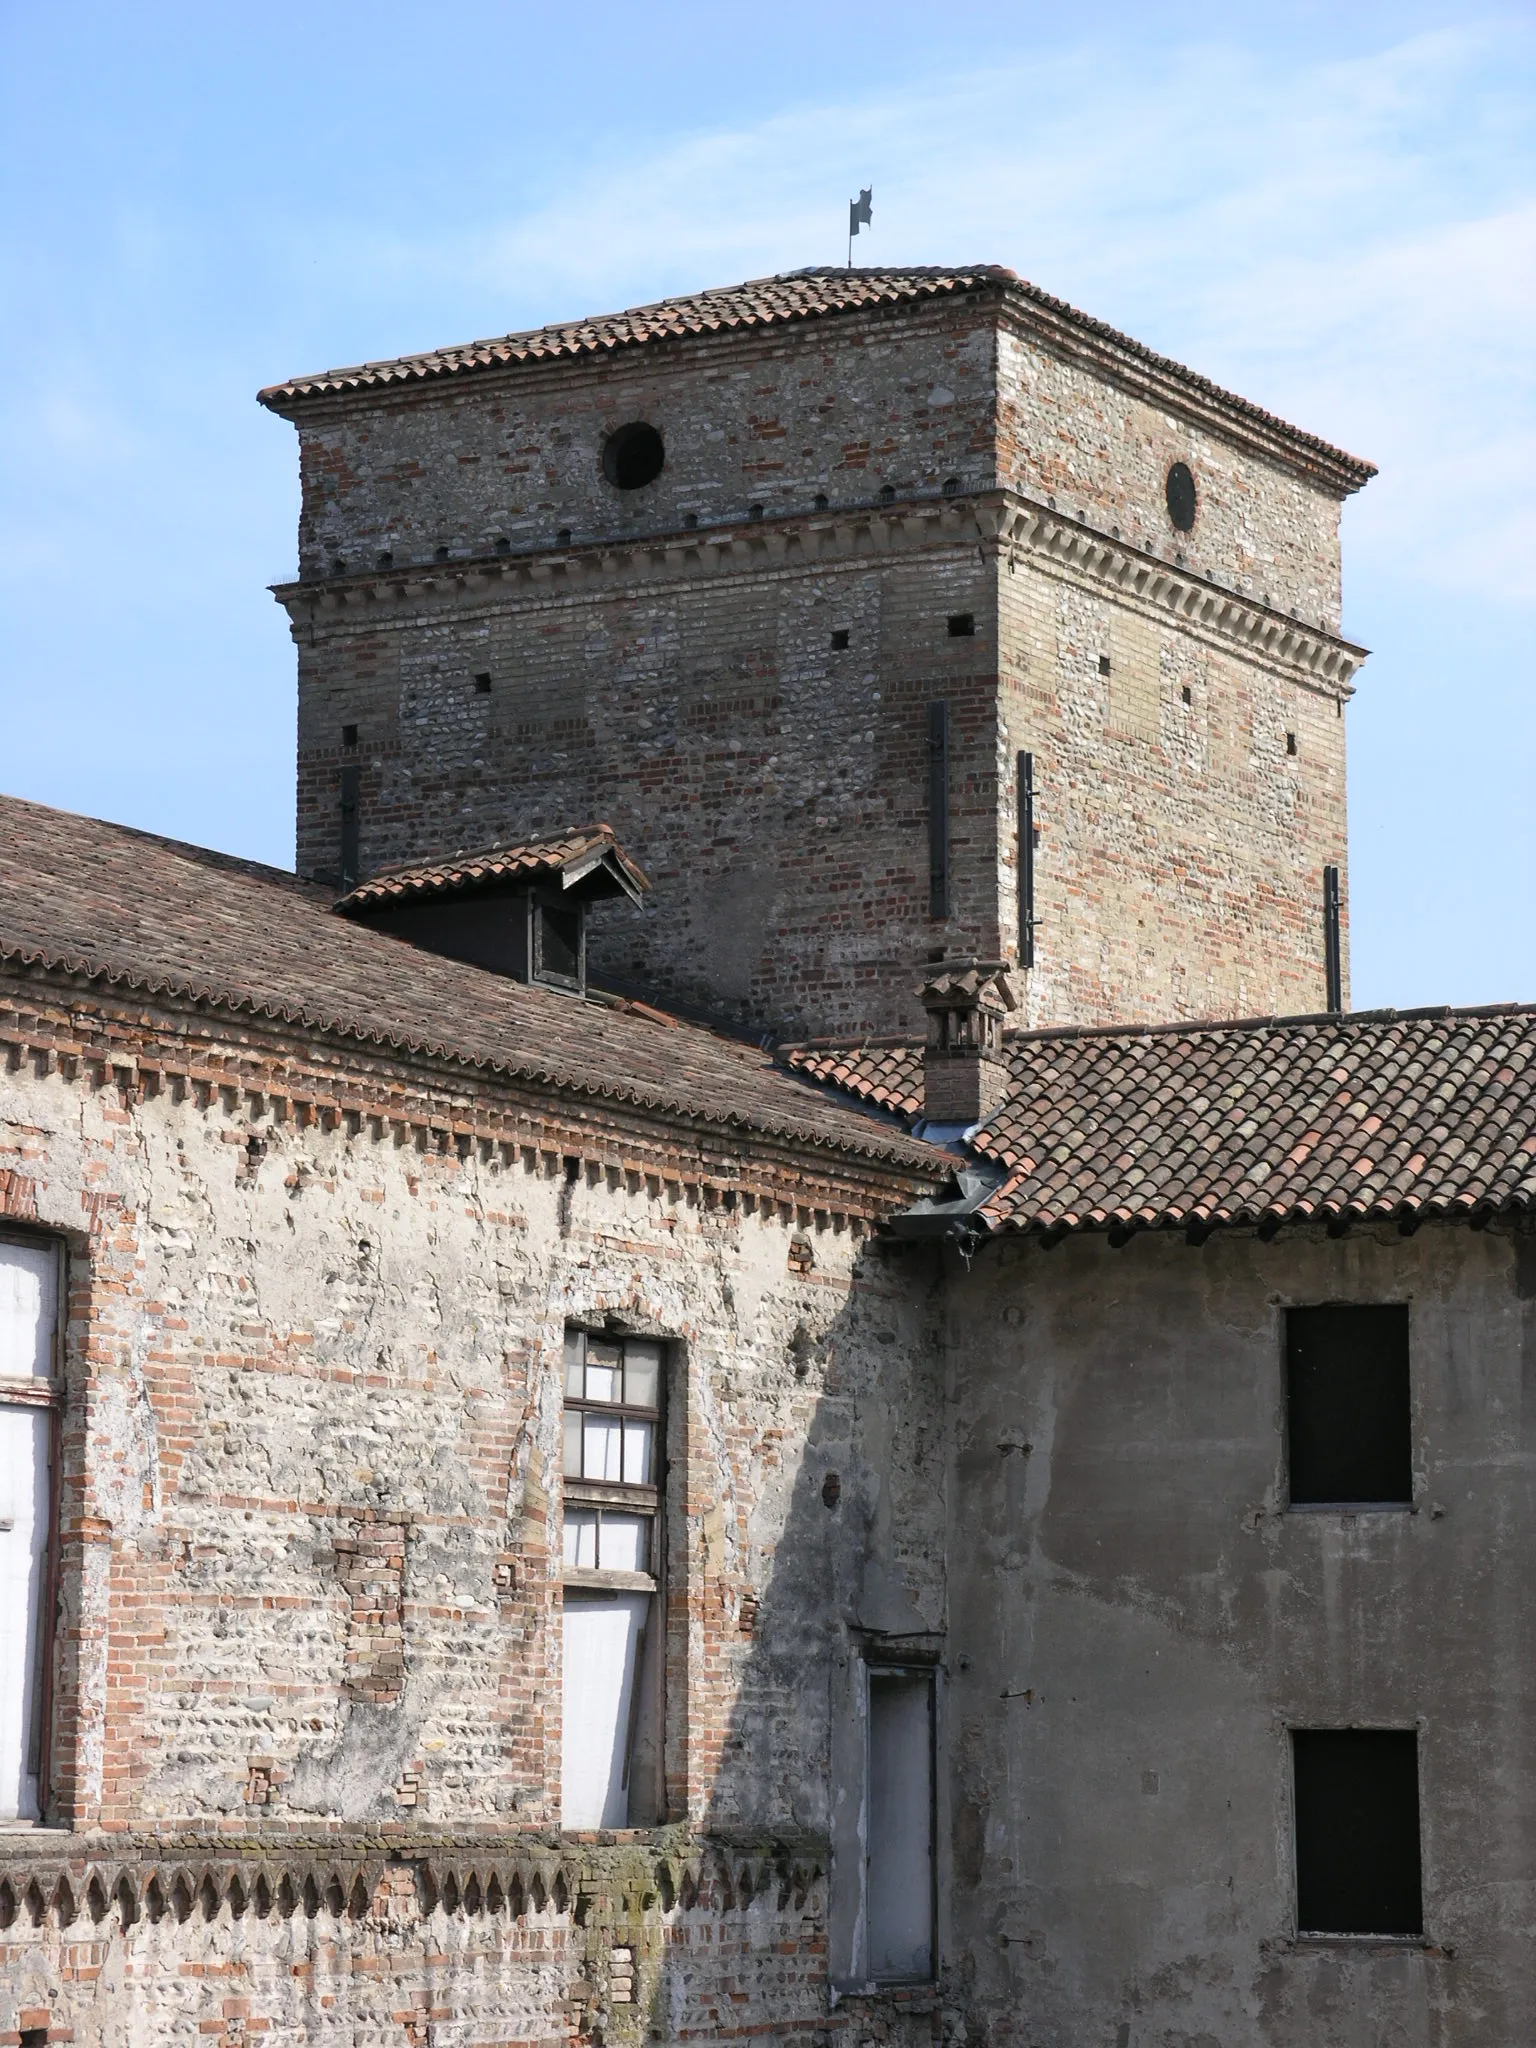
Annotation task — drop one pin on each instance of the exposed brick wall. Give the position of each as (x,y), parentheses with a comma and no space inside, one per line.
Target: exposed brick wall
(310,1540)
(1179,867)
(844,409)
(683,684)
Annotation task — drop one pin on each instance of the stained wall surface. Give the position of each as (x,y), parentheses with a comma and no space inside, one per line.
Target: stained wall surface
(310,1554)
(1138,1621)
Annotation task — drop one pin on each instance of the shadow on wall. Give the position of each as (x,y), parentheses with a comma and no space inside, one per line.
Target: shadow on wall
(815,1578)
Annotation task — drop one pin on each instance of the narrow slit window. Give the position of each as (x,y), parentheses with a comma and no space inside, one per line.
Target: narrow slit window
(29,1320)
(1348,1410)
(614,1609)
(1357,1831)
(899,1869)
(938,810)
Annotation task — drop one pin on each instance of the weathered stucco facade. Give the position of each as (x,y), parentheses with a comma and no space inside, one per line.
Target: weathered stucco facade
(308,1650)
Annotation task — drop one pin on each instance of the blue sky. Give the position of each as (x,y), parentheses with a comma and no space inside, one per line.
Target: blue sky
(1331,209)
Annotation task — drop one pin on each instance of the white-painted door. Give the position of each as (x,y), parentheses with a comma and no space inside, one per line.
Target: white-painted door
(604,1647)
(25,1513)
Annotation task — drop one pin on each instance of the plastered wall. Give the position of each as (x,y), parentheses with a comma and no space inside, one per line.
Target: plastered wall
(1138,1621)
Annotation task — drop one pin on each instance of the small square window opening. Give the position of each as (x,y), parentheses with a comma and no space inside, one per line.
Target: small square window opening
(1290,743)
(1348,1407)
(962,625)
(1358,1866)
(349,735)
(1103,664)
(483,683)
(840,640)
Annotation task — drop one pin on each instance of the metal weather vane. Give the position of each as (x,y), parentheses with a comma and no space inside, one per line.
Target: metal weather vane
(860,213)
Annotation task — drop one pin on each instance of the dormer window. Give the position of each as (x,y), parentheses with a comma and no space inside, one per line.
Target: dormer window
(517,910)
(559,944)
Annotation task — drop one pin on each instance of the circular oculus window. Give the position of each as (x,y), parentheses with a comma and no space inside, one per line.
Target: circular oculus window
(633,456)
(1180,491)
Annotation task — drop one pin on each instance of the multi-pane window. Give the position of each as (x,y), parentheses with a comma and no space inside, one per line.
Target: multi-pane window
(613,1575)
(29,1393)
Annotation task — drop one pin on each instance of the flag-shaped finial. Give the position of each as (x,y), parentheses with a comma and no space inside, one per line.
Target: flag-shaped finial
(860,212)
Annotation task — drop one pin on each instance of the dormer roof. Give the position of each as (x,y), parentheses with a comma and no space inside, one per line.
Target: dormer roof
(587,863)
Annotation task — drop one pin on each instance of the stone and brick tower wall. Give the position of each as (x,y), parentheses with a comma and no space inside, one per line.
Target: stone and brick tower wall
(881,492)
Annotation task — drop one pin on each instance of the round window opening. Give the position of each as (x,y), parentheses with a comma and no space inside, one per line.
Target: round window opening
(1181,497)
(633,457)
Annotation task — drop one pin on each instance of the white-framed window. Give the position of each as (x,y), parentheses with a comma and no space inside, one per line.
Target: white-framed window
(899,1823)
(613,1576)
(31,1291)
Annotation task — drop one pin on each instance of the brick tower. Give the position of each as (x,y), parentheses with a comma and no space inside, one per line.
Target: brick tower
(804,586)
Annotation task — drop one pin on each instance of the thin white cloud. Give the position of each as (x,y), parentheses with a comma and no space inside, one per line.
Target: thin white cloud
(1349,243)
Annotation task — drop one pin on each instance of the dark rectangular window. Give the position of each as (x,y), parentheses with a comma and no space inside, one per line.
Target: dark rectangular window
(938,810)
(351,825)
(1357,1831)
(962,625)
(558,940)
(1348,1422)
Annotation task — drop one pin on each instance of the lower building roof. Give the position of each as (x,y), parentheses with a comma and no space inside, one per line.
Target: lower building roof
(187,925)
(1381,1114)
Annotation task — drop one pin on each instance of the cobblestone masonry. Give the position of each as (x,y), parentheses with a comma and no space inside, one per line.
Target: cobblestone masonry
(867,476)
(307,1717)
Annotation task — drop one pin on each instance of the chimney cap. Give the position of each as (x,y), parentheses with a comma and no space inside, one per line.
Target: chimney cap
(967,984)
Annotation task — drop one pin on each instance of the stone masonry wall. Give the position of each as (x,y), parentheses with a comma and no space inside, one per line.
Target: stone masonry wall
(1103,454)
(773,785)
(838,408)
(1137,1622)
(1188,796)
(684,683)
(309,1646)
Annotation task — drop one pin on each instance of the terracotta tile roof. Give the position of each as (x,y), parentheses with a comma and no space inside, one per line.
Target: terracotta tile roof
(492,864)
(792,296)
(1381,1114)
(154,917)
(885,1071)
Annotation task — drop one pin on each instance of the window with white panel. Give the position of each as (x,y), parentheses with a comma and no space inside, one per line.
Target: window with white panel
(30,1292)
(614,1394)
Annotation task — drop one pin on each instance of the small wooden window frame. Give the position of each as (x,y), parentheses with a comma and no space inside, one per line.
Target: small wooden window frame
(625,1497)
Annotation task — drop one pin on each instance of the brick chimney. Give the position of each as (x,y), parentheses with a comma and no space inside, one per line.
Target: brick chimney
(964,1077)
